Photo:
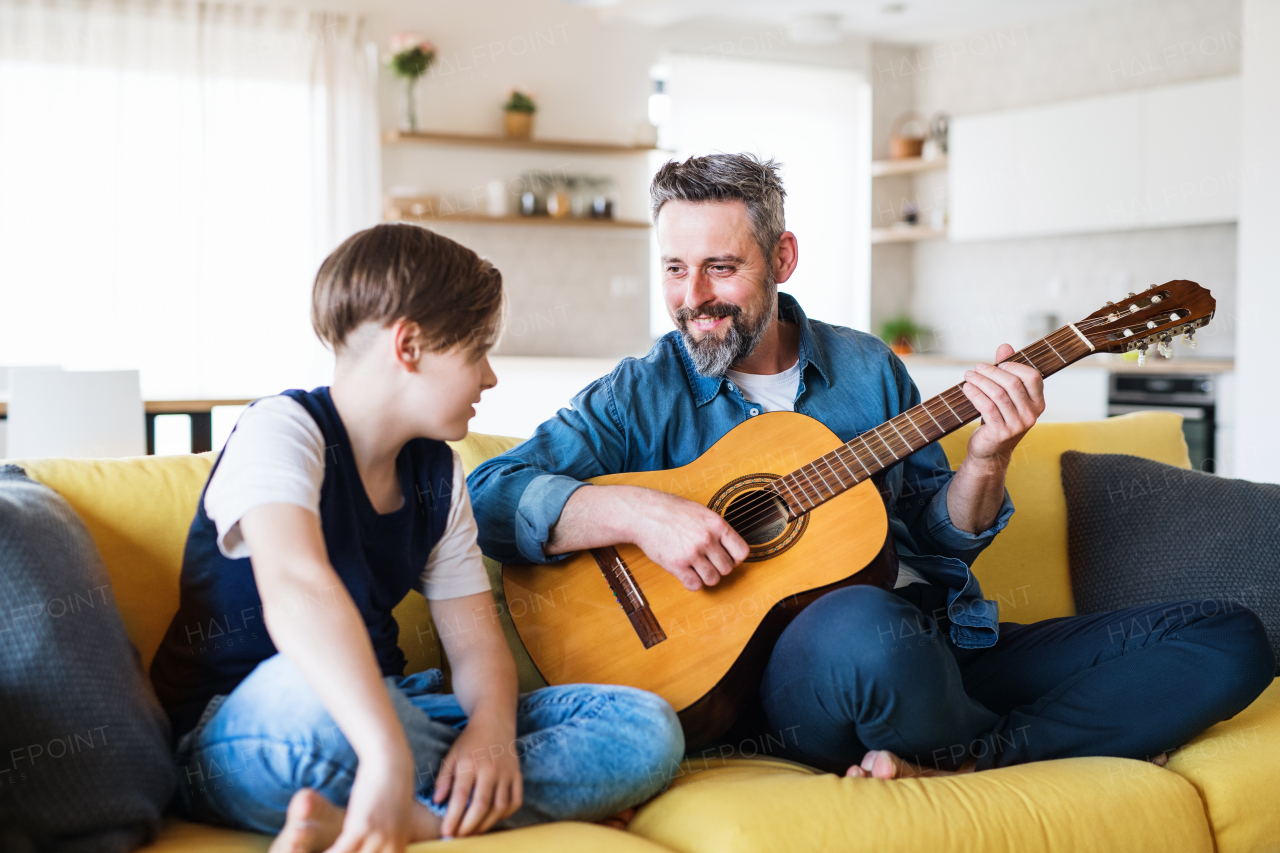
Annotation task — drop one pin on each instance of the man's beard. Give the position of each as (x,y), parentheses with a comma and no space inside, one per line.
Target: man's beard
(713,355)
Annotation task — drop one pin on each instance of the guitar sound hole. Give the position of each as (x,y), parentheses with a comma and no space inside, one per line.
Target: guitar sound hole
(759,516)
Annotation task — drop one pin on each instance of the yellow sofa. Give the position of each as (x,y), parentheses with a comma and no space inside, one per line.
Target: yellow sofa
(1217,793)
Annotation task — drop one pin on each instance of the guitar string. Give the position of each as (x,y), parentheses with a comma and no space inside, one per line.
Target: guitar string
(761,503)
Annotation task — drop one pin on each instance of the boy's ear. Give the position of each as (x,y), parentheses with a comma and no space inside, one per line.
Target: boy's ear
(407,336)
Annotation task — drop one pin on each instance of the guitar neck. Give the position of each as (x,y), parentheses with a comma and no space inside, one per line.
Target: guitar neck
(900,436)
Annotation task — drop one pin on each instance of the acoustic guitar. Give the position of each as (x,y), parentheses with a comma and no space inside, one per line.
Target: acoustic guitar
(808,506)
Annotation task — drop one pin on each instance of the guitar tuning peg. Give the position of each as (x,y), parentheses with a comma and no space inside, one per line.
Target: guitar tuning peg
(1188,339)
(1142,355)
(1132,294)
(1156,298)
(1163,349)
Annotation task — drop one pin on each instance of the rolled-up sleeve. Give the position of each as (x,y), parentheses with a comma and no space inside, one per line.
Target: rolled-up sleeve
(518,496)
(935,531)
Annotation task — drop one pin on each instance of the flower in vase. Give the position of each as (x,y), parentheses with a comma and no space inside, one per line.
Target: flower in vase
(411,55)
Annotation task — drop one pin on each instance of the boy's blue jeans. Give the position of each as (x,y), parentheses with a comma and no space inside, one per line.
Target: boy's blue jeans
(586,751)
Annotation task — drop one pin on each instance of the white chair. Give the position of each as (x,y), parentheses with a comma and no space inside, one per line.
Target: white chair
(90,414)
(4,397)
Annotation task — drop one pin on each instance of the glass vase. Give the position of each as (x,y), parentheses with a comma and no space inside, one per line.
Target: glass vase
(410,123)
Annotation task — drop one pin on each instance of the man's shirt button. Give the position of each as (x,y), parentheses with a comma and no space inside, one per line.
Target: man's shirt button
(755,412)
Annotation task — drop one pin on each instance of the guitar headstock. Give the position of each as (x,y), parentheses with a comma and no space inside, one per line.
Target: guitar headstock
(1151,318)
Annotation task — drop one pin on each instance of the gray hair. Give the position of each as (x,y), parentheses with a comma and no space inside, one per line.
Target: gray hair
(727,177)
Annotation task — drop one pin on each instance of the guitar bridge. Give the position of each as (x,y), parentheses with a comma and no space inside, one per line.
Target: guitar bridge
(628,594)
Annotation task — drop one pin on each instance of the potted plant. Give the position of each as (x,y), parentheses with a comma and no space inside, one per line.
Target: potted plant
(518,114)
(902,334)
(411,56)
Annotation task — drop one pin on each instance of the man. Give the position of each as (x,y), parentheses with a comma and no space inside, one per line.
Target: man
(920,680)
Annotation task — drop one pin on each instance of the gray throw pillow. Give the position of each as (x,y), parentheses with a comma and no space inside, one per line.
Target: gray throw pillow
(85,763)
(1142,532)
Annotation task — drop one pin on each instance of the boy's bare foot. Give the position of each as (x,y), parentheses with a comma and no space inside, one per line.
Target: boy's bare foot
(312,824)
(620,820)
(882,764)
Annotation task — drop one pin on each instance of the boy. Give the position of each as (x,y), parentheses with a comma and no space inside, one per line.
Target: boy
(280,672)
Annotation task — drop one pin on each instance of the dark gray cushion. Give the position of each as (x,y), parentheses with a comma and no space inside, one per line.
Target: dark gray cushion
(85,763)
(1142,532)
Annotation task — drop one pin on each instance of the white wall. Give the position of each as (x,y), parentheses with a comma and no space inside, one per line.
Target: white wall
(590,73)
(810,120)
(1258,391)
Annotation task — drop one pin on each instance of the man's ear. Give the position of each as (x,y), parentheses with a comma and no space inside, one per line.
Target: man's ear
(786,256)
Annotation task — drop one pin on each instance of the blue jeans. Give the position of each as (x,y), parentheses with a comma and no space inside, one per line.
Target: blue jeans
(586,751)
(863,668)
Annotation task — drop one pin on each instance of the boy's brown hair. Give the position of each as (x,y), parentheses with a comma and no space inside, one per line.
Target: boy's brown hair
(396,271)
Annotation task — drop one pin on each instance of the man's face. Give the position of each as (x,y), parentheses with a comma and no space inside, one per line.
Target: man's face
(720,290)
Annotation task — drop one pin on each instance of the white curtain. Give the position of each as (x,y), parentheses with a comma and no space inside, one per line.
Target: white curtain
(171,175)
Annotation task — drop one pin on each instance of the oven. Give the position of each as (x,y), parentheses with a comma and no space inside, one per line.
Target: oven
(1192,396)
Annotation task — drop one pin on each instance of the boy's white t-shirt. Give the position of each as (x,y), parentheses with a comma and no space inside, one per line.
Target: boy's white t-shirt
(776,392)
(276,455)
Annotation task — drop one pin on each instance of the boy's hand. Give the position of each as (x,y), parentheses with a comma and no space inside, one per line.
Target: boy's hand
(379,808)
(481,767)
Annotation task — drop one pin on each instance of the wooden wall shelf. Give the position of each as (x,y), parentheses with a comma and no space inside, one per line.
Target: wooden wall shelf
(909,166)
(568,222)
(906,235)
(467,140)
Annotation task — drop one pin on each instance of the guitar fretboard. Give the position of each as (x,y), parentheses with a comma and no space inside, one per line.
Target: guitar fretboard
(900,436)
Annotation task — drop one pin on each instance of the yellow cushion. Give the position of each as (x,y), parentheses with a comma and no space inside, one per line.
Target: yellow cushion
(182,837)
(1235,766)
(138,512)
(1025,569)
(1074,804)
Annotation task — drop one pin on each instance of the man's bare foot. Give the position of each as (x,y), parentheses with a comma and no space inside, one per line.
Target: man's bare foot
(1160,760)
(312,824)
(619,820)
(882,764)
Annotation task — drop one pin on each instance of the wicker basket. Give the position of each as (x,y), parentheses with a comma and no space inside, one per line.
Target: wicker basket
(901,146)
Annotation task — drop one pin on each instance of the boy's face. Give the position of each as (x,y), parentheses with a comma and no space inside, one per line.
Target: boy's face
(448,387)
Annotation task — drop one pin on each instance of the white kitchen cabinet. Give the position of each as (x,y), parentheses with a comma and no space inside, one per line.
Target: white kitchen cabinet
(1156,157)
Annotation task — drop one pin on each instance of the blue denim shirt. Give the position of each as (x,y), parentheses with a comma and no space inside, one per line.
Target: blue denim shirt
(658,412)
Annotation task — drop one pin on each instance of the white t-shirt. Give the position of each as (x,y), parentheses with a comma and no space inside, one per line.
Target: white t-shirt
(776,392)
(277,455)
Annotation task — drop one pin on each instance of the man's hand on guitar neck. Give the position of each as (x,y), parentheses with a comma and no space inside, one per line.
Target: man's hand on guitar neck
(685,538)
(1010,397)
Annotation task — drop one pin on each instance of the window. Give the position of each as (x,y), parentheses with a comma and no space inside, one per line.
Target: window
(166,179)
